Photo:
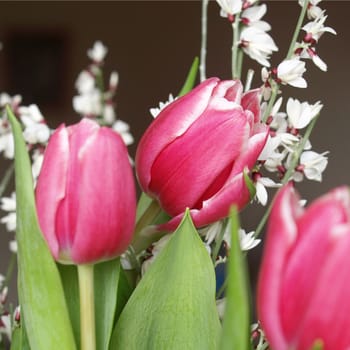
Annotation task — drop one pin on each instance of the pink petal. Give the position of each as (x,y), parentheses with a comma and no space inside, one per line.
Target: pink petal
(51,185)
(230,90)
(233,191)
(171,123)
(306,262)
(282,235)
(106,220)
(327,315)
(197,164)
(69,205)
(251,102)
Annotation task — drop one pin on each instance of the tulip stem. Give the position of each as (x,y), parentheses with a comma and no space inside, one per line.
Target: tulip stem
(139,242)
(87,307)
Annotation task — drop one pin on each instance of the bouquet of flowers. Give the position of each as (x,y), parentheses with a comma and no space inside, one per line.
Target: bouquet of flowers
(98,269)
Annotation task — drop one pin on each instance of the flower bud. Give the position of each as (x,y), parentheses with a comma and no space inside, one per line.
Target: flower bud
(196,150)
(85,194)
(303,291)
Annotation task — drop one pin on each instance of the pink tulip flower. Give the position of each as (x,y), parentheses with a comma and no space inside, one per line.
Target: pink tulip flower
(85,194)
(196,150)
(304,289)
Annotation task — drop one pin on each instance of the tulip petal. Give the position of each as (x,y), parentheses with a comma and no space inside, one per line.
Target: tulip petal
(171,123)
(233,191)
(251,101)
(207,163)
(282,230)
(230,90)
(330,306)
(51,191)
(105,197)
(69,205)
(306,263)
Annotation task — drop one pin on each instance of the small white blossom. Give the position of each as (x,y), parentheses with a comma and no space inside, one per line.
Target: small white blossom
(88,104)
(85,82)
(310,53)
(252,17)
(6,99)
(7,145)
(247,240)
(301,114)
(98,52)
(288,141)
(6,327)
(257,44)
(37,161)
(313,164)
(316,28)
(109,114)
(230,7)
(13,246)
(156,110)
(220,307)
(313,11)
(260,186)
(291,71)
(123,129)
(270,147)
(113,80)
(8,204)
(35,129)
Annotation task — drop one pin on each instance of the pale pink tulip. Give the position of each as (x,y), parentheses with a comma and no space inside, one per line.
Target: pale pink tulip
(85,194)
(304,289)
(194,153)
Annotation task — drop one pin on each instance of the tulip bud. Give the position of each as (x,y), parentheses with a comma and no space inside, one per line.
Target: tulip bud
(85,194)
(196,150)
(303,291)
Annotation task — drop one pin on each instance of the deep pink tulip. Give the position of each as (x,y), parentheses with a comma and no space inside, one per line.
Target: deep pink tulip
(304,289)
(194,153)
(85,194)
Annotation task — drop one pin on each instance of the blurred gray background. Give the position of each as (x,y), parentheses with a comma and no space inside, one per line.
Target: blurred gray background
(152,44)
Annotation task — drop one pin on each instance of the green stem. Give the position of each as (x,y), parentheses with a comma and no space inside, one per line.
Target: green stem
(239,63)
(219,240)
(139,243)
(6,178)
(202,66)
(297,29)
(275,87)
(234,49)
(249,79)
(87,307)
(289,172)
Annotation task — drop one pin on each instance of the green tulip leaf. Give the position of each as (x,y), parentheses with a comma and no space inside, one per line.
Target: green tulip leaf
(106,281)
(69,277)
(40,289)
(191,78)
(173,307)
(236,324)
